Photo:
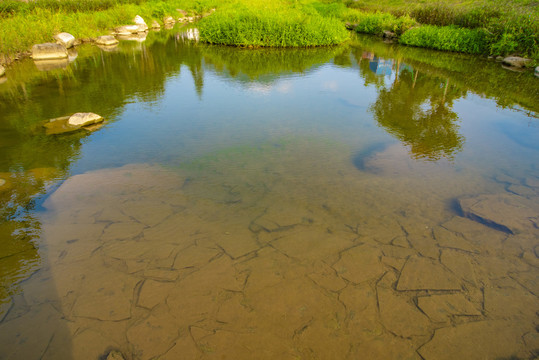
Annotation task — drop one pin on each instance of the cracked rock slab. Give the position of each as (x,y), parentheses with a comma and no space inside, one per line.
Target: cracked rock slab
(400,316)
(425,274)
(475,341)
(361,263)
(440,307)
(508,213)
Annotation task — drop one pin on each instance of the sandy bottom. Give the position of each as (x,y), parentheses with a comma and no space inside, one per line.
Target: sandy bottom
(286,253)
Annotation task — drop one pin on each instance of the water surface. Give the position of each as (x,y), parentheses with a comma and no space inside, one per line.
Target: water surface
(363,201)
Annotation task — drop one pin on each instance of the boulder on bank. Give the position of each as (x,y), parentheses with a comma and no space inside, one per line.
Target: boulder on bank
(390,35)
(516,61)
(2,71)
(49,51)
(139,21)
(65,39)
(106,40)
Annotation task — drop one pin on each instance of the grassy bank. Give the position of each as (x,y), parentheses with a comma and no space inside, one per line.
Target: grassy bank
(501,27)
(492,27)
(24,24)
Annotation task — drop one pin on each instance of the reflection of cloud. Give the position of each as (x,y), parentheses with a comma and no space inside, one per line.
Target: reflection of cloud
(257,88)
(284,87)
(330,85)
(265,89)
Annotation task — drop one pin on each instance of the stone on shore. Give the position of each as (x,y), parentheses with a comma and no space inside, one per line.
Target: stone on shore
(155,25)
(84,119)
(65,39)
(48,51)
(2,70)
(168,20)
(516,61)
(106,40)
(140,23)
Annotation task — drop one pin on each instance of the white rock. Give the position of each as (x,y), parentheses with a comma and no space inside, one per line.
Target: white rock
(169,20)
(106,40)
(2,70)
(65,39)
(48,51)
(141,23)
(83,119)
(516,61)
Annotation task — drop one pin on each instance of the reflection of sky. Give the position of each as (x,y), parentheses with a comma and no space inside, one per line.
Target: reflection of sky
(330,102)
(385,67)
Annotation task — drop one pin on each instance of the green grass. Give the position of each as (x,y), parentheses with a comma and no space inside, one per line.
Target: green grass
(271,28)
(511,26)
(449,38)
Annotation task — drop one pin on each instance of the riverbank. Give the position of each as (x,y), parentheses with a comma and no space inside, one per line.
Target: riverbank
(493,28)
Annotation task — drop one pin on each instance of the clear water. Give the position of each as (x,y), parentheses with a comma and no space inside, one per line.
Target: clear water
(364,201)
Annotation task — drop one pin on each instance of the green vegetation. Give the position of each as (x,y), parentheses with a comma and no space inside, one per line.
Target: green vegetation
(450,38)
(274,28)
(493,27)
(510,26)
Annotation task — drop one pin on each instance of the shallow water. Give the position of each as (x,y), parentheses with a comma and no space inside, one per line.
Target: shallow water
(364,201)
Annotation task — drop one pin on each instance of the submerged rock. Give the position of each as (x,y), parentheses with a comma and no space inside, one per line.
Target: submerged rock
(106,40)
(65,124)
(115,355)
(509,213)
(2,71)
(83,119)
(516,61)
(65,39)
(48,51)
(421,273)
(475,340)
(537,71)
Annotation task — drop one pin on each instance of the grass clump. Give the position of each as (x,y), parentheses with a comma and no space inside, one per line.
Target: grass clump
(376,23)
(290,28)
(449,38)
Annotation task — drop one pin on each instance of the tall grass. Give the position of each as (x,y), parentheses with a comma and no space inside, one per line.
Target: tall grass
(284,28)
(449,38)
